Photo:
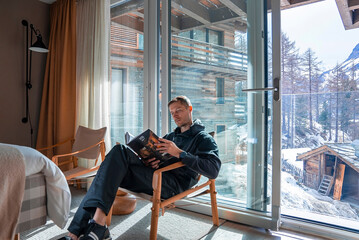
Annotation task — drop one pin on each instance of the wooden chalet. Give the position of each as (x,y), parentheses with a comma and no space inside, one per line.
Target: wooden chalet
(333,170)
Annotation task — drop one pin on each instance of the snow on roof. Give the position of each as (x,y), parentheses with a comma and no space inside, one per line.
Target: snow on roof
(347,152)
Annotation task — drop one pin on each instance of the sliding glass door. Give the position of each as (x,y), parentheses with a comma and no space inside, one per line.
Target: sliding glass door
(221,60)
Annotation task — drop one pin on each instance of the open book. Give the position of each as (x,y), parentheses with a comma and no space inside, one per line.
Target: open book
(144,145)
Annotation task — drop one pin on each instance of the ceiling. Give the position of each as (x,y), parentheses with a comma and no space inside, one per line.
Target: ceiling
(349,12)
(188,14)
(216,14)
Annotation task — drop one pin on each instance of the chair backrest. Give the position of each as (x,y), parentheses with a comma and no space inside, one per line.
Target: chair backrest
(86,137)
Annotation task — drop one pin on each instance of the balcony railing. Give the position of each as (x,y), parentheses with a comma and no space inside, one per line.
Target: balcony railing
(212,55)
(185,53)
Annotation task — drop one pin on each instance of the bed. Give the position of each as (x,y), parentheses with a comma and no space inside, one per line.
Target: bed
(33,208)
(41,190)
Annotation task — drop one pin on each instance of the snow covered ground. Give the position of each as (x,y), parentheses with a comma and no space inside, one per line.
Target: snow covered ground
(290,155)
(296,199)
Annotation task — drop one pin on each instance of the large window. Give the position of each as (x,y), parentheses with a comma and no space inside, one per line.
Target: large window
(320,172)
(127,81)
(220,90)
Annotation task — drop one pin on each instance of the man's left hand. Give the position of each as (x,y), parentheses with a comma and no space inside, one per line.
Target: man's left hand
(167,146)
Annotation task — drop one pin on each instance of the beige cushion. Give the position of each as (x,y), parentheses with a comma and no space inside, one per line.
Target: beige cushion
(85,137)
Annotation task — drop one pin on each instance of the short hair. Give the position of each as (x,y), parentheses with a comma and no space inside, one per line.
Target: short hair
(182,99)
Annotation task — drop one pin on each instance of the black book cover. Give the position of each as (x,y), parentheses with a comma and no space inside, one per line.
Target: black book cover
(144,146)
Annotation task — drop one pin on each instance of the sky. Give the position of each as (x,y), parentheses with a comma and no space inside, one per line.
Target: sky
(318,26)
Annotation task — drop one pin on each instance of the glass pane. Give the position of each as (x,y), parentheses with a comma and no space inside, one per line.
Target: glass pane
(126,65)
(211,65)
(320,164)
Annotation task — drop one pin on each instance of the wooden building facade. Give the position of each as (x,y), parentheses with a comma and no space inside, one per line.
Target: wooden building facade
(333,170)
(208,64)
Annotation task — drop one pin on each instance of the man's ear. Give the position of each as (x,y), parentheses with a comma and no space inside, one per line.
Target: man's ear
(190,108)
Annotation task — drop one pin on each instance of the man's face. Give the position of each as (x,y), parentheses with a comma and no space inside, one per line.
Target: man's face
(181,114)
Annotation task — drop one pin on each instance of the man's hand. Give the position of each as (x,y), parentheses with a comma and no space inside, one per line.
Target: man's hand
(167,146)
(152,162)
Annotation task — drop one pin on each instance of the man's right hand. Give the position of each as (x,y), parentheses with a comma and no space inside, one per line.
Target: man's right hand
(152,162)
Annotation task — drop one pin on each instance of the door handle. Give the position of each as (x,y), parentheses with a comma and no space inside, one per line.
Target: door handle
(275,89)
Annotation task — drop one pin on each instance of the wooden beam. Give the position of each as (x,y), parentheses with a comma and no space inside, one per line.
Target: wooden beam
(130,6)
(284,2)
(138,14)
(192,9)
(356,18)
(218,17)
(345,14)
(309,154)
(223,14)
(338,185)
(129,22)
(237,6)
(226,27)
(353,4)
(292,3)
(175,23)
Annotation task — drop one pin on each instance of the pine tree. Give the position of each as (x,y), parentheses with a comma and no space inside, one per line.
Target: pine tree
(324,117)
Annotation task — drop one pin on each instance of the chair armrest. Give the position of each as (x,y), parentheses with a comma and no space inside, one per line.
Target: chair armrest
(170,167)
(157,175)
(58,144)
(55,158)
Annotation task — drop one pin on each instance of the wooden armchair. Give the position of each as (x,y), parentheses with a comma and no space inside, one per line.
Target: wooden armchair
(88,144)
(158,203)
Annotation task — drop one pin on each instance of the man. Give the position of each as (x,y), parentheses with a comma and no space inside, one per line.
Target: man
(188,143)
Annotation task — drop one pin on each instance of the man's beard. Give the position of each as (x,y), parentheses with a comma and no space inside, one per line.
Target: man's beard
(189,123)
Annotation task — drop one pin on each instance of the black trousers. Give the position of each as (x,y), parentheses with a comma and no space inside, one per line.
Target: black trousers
(123,168)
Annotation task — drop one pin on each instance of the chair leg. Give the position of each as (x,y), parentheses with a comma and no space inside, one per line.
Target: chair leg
(17,236)
(154,217)
(213,193)
(109,217)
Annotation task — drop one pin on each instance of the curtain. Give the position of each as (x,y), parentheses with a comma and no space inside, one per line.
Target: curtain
(58,105)
(93,31)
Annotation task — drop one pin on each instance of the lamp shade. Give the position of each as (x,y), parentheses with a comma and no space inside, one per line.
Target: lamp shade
(39,46)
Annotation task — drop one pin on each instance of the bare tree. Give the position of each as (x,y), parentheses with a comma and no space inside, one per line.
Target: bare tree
(311,69)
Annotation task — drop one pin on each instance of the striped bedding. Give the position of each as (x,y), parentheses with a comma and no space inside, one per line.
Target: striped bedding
(46,194)
(33,209)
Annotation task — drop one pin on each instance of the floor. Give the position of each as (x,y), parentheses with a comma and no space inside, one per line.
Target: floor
(175,224)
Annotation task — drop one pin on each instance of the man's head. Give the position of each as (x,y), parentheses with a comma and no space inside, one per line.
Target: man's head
(181,110)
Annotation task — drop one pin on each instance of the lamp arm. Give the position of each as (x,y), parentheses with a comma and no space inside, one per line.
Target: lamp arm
(36,31)
(26,24)
(32,29)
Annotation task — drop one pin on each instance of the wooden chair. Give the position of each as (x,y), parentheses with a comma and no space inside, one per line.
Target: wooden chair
(88,144)
(158,203)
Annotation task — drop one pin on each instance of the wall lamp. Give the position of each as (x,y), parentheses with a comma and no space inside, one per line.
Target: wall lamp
(38,46)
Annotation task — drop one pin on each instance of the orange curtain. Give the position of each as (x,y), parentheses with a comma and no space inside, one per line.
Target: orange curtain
(58,105)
